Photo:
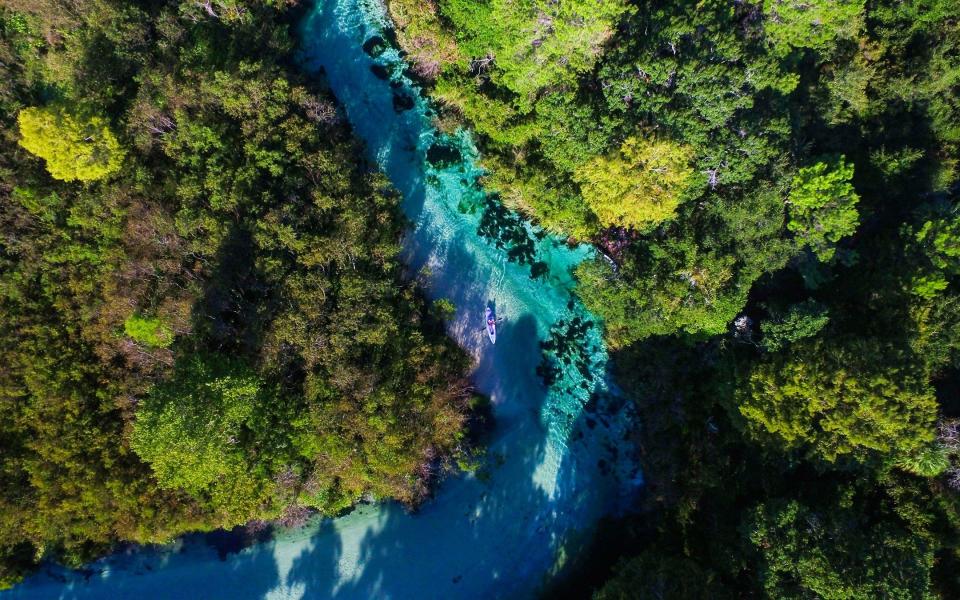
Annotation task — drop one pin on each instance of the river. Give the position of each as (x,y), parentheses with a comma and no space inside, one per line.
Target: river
(556,460)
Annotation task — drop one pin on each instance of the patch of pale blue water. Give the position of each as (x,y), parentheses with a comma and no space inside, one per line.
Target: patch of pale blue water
(553,467)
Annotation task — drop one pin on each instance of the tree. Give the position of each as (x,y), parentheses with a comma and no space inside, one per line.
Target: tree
(846,84)
(189,428)
(801,321)
(822,206)
(534,44)
(418,27)
(926,462)
(813,24)
(938,244)
(685,291)
(638,186)
(75,146)
(840,398)
(836,553)
(655,575)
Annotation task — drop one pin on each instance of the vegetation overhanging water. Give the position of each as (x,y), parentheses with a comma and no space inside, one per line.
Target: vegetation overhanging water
(553,466)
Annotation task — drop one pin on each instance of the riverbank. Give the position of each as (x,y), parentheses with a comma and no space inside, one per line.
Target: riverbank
(551,469)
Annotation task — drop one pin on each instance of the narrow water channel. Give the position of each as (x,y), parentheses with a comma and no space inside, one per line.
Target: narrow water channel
(556,461)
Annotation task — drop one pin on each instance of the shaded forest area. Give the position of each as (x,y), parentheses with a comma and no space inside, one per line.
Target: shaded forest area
(203,317)
(773,187)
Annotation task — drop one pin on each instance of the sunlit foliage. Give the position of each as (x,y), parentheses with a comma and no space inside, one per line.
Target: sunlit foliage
(150,331)
(640,186)
(530,45)
(75,147)
(937,244)
(215,327)
(799,321)
(836,400)
(815,24)
(823,206)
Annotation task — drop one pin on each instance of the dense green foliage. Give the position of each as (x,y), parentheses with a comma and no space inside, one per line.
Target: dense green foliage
(836,554)
(188,428)
(818,25)
(74,147)
(151,332)
(839,399)
(799,321)
(773,187)
(205,322)
(204,318)
(741,88)
(639,187)
(822,207)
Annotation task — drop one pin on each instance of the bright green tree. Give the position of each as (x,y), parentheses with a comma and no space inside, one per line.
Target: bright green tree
(188,429)
(837,400)
(823,206)
(814,24)
(531,44)
(74,146)
(147,330)
(941,239)
(638,186)
(929,461)
(938,241)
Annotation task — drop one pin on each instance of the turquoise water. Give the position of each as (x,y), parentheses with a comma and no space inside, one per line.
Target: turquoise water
(556,460)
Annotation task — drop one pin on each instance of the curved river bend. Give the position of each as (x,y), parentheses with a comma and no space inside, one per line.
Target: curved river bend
(552,465)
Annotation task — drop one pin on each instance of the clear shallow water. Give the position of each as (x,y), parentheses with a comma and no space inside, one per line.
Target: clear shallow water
(553,465)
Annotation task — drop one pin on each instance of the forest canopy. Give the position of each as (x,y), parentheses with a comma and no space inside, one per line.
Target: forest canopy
(771,188)
(205,322)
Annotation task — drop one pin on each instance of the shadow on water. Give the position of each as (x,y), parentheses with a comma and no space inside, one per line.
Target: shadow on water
(548,476)
(497,534)
(484,536)
(490,538)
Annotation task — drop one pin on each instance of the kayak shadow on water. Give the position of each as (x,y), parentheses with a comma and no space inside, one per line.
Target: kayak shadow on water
(488,535)
(501,532)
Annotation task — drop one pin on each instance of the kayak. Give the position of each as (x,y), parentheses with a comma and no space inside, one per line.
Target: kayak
(491,325)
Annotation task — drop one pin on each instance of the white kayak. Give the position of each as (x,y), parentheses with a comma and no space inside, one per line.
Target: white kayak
(491,322)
